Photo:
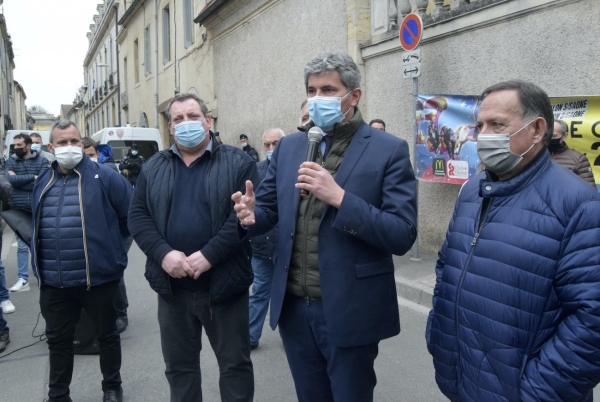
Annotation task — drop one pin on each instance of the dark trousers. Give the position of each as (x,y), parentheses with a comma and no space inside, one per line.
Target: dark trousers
(121,301)
(323,371)
(226,326)
(61,309)
(3,324)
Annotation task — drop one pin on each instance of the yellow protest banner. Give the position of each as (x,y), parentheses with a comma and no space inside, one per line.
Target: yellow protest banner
(582,115)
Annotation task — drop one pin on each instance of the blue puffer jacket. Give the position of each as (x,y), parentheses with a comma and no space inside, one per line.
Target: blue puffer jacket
(96,222)
(516,306)
(22,181)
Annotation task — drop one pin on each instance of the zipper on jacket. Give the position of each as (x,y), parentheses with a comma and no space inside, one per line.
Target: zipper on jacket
(304,269)
(62,197)
(485,205)
(85,250)
(482,215)
(33,235)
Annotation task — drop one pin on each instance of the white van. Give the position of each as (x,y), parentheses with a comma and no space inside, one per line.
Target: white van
(120,140)
(10,134)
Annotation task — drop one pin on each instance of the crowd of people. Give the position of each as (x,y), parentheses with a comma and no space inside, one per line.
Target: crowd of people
(516,304)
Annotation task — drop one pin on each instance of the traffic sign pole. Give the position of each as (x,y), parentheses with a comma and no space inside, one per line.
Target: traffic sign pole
(410,34)
(416,256)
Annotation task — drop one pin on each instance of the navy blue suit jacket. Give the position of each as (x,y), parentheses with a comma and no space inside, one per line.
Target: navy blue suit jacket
(375,220)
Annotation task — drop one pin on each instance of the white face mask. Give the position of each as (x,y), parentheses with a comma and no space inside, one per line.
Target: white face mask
(94,160)
(68,157)
(494,151)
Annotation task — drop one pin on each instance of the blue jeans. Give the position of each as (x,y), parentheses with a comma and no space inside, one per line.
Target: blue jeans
(3,289)
(23,259)
(259,298)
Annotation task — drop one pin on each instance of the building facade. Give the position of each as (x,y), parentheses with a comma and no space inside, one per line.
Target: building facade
(162,53)
(260,48)
(245,58)
(100,65)
(12,111)
(20,121)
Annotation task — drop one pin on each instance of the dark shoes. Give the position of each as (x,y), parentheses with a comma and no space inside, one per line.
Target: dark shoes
(253,346)
(4,340)
(113,395)
(64,399)
(122,323)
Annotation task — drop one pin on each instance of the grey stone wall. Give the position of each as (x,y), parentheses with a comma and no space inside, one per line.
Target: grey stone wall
(258,68)
(554,48)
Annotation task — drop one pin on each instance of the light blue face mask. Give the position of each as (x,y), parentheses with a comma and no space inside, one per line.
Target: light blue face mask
(189,133)
(36,147)
(325,111)
(269,154)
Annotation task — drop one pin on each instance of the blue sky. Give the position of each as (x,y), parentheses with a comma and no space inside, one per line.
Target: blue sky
(49,41)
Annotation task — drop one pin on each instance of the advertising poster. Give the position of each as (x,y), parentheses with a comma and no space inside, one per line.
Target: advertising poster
(582,115)
(446,147)
(446,150)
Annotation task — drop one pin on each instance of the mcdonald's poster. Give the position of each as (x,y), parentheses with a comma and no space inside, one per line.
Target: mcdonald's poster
(446,147)
(446,150)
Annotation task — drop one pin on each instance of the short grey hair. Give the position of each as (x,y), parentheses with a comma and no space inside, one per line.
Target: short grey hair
(563,126)
(334,61)
(534,102)
(273,129)
(62,125)
(182,97)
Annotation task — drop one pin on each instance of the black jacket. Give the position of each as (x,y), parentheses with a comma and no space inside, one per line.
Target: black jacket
(252,152)
(227,172)
(131,166)
(264,246)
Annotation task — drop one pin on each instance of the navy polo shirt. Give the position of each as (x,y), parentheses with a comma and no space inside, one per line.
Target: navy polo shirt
(189,227)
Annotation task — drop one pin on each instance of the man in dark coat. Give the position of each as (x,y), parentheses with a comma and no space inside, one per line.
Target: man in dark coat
(516,304)
(131,166)
(248,148)
(22,169)
(183,220)
(560,153)
(78,255)
(334,293)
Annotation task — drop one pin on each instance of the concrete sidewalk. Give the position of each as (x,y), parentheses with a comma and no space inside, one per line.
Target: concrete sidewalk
(415,279)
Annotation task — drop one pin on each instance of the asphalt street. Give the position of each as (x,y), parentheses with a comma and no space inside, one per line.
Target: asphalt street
(404,368)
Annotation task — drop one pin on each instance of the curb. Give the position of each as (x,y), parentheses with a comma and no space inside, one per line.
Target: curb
(414,291)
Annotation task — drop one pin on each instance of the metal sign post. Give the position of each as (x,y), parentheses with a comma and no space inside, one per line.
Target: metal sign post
(410,34)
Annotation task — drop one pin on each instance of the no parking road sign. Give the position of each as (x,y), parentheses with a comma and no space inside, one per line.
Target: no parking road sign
(411,31)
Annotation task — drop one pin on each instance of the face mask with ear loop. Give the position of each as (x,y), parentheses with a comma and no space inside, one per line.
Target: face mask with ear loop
(494,151)
(325,111)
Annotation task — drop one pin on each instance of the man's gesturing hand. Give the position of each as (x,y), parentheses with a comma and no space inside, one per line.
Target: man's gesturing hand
(316,179)
(176,265)
(244,205)
(198,263)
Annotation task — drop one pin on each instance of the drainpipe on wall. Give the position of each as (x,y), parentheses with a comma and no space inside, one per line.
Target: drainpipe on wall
(118,70)
(156,64)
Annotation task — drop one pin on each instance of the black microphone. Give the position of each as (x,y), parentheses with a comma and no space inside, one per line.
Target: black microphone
(315,135)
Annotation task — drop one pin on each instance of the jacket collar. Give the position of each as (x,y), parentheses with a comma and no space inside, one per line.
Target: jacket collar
(492,187)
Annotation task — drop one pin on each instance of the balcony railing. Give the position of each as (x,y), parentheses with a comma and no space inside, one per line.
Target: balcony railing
(124,101)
